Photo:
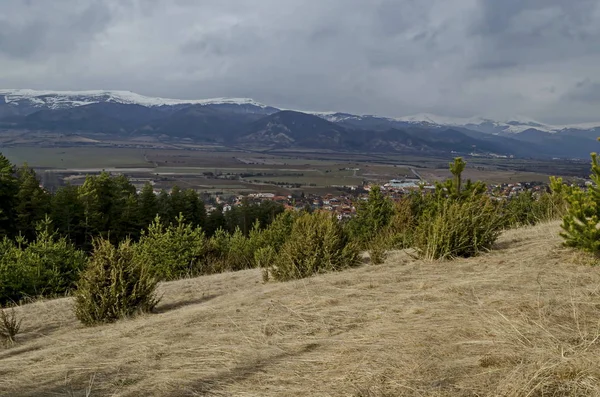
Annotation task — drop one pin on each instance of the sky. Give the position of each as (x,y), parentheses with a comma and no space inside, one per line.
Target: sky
(460,58)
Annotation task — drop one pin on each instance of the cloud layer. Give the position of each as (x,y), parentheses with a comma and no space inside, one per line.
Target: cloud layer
(391,57)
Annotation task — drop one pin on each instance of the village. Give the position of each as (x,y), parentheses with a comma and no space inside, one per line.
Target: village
(343,204)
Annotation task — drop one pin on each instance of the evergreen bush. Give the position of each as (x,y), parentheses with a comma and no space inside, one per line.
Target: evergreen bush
(114,285)
(173,252)
(317,244)
(372,217)
(48,266)
(458,228)
(581,222)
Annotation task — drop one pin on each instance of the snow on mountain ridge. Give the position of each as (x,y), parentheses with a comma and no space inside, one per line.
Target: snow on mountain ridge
(511,125)
(58,99)
(65,99)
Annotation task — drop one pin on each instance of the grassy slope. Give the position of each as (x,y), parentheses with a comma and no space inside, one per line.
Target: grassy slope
(520,319)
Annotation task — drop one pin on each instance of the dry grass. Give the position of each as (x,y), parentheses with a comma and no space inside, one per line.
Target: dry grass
(521,320)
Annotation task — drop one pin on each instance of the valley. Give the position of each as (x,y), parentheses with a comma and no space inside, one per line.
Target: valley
(237,146)
(230,171)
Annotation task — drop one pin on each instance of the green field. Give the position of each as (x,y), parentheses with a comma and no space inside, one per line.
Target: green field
(76,157)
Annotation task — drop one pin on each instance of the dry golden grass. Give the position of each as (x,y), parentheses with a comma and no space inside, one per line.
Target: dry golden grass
(521,320)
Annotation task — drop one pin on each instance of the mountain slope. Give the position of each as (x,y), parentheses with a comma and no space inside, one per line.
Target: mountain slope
(250,123)
(484,326)
(204,123)
(288,128)
(96,117)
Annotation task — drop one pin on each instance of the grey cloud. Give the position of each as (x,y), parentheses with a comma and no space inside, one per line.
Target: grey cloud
(536,31)
(390,57)
(585,91)
(29,30)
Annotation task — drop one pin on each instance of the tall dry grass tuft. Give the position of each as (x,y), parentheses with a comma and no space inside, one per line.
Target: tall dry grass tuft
(10,325)
(553,350)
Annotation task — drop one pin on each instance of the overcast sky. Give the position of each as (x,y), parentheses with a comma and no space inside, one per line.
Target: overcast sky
(538,58)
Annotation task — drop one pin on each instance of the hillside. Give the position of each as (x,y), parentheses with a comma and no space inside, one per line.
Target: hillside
(522,318)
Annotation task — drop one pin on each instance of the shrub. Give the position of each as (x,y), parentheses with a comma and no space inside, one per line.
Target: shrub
(14,283)
(55,262)
(317,244)
(48,266)
(458,228)
(518,210)
(372,216)
(528,208)
(173,252)
(580,222)
(277,233)
(114,285)
(10,325)
(550,206)
(398,234)
(231,252)
(455,189)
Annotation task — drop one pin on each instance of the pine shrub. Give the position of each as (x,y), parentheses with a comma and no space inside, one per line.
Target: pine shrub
(399,233)
(277,233)
(372,217)
(581,222)
(240,251)
(317,244)
(528,208)
(48,266)
(231,252)
(173,252)
(114,285)
(458,228)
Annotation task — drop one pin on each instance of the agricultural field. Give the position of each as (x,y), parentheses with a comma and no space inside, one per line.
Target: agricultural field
(213,169)
(76,157)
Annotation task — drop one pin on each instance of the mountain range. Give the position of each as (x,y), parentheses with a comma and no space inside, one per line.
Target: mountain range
(244,122)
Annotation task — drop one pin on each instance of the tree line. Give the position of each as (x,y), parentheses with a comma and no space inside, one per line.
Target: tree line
(110,207)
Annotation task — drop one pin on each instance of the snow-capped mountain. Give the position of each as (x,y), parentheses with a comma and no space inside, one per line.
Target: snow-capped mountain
(246,122)
(513,125)
(508,126)
(24,100)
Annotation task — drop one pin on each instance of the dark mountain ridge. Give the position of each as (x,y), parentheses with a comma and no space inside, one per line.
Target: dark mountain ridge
(249,124)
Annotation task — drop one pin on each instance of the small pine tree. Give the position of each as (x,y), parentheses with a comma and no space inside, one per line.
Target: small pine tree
(148,205)
(317,244)
(176,251)
(453,188)
(456,168)
(581,222)
(114,285)
(67,214)
(9,188)
(458,228)
(33,202)
(48,266)
(372,216)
